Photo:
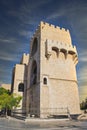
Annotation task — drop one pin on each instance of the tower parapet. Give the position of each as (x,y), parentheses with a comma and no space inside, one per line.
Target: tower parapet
(53,26)
(25,59)
(55,33)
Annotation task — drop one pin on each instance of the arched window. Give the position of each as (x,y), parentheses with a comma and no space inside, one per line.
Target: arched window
(44,80)
(34,46)
(21,87)
(33,77)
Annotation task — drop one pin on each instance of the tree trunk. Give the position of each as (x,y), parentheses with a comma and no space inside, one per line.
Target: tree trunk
(6,113)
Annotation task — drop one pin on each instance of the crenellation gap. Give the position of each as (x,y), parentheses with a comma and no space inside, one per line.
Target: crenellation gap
(57,27)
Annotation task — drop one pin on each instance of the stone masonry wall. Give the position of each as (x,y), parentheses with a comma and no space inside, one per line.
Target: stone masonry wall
(59,68)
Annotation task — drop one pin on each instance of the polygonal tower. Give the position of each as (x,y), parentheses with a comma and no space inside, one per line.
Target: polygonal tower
(19,80)
(52,83)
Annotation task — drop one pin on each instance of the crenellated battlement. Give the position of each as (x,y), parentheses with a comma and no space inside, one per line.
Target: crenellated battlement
(25,54)
(49,31)
(24,59)
(53,26)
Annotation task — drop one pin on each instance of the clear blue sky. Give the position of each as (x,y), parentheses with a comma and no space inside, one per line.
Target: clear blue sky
(20,18)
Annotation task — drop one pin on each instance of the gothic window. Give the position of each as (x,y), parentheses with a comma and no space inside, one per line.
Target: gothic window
(34,46)
(34,73)
(45,80)
(21,87)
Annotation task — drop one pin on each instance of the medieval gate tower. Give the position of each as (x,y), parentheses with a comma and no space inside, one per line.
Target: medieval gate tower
(52,83)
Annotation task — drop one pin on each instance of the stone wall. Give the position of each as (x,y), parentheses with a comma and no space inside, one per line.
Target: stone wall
(19,79)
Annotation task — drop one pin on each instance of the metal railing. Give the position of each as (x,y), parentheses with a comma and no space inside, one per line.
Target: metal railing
(50,111)
(47,112)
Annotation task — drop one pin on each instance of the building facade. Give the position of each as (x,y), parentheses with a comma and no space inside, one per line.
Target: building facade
(52,87)
(19,80)
(6,86)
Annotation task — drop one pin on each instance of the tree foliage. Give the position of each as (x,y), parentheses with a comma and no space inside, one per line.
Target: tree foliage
(8,101)
(3,90)
(83,105)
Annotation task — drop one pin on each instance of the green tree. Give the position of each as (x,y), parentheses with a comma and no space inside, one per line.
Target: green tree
(83,104)
(8,101)
(3,90)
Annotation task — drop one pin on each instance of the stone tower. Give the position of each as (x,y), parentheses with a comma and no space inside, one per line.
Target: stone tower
(52,83)
(19,80)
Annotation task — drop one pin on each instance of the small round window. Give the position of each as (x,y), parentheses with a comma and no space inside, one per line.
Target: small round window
(34,46)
